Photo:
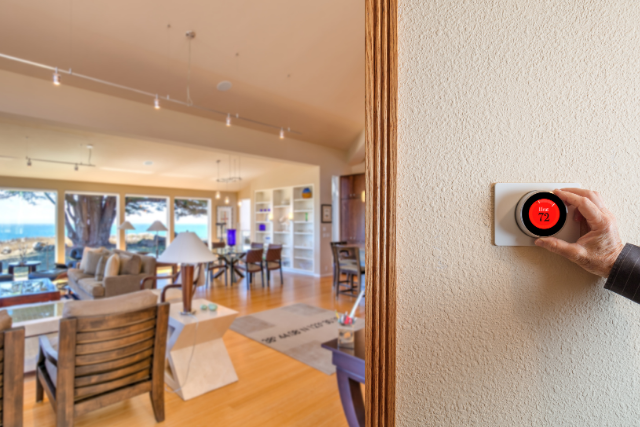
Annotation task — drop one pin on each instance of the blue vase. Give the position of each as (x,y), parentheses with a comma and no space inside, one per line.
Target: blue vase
(231,237)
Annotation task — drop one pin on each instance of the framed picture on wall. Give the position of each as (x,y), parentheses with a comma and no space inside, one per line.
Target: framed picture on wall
(224,221)
(327,216)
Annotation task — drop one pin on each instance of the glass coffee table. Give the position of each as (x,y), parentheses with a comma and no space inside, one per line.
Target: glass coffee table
(28,292)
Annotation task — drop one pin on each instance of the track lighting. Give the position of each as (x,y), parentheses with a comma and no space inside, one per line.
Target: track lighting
(281,133)
(75,168)
(156,103)
(56,77)
(228,119)
(28,161)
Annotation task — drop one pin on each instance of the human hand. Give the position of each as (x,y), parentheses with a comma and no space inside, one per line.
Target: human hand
(598,248)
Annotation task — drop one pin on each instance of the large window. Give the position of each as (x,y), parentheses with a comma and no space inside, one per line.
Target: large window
(27,229)
(192,215)
(149,216)
(90,220)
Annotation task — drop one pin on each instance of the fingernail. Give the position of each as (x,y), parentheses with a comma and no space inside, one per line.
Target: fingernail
(539,242)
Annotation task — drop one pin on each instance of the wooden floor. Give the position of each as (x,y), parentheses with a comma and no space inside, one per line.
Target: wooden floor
(272,390)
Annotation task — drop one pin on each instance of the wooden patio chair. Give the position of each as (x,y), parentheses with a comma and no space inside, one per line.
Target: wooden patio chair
(108,350)
(12,372)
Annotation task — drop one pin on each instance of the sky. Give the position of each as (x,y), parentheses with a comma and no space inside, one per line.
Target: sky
(16,210)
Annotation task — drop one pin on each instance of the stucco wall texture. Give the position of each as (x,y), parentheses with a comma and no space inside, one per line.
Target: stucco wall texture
(513,91)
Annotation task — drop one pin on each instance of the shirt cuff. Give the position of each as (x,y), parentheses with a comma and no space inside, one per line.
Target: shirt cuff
(624,278)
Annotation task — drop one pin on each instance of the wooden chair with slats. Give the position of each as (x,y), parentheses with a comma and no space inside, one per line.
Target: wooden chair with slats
(349,264)
(106,353)
(273,261)
(11,372)
(252,264)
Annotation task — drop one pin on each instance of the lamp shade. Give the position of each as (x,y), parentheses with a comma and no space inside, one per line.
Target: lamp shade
(187,248)
(157,226)
(126,226)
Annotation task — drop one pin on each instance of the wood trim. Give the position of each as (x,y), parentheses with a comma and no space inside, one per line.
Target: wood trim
(381,92)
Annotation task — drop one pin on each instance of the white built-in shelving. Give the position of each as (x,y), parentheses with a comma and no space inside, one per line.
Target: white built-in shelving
(284,217)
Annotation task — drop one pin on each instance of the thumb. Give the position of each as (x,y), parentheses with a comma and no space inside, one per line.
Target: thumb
(570,251)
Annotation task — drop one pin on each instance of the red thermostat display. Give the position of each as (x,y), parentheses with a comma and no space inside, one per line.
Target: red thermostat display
(544,214)
(540,214)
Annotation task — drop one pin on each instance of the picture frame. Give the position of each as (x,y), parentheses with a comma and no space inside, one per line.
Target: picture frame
(326,214)
(224,214)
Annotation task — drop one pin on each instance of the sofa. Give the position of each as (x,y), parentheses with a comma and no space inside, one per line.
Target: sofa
(85,284)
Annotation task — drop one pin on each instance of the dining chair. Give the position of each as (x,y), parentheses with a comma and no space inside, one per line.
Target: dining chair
(273,261)
(252,263)
(12,372)
(335,256)
(108,350)
(255,245)
(173,293)
(218,268)
(349,263)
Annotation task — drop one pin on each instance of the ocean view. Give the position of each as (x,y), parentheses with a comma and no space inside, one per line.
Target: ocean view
(18,231)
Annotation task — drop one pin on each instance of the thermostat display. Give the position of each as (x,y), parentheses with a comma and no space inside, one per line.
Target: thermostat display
(544,214)
(540,214)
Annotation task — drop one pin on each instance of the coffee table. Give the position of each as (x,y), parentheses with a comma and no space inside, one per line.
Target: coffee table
(198,361)
(37,319)
(27,292)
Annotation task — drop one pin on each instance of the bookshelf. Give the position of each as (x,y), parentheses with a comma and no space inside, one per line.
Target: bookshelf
(284,216)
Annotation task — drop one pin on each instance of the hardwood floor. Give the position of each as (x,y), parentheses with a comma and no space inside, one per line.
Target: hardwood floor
(272,390)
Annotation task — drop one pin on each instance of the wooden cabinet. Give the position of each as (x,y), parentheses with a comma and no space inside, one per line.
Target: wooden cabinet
(352,208)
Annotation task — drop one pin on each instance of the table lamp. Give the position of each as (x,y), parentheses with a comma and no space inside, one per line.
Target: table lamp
(187,250)
(157,226)
(126,226)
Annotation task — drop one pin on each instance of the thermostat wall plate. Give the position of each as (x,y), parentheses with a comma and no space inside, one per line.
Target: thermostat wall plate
(538,212)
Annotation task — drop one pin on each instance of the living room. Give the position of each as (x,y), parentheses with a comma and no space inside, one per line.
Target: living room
(121,139)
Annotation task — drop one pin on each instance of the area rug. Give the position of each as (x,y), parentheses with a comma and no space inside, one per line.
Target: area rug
(296,330)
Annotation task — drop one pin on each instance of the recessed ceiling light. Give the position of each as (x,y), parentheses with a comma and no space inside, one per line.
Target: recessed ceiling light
(224,86)
(148,163)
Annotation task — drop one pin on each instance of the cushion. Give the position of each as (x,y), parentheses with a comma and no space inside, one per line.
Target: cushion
(102,264)
(5,320)
(75,274)
(90,259)
(92,287)
(113,266)
(130,264)
(134,301)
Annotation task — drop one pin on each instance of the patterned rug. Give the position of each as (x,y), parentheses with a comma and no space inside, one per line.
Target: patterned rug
(296,330)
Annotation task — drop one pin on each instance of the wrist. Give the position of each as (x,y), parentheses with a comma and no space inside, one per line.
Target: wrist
(611,259)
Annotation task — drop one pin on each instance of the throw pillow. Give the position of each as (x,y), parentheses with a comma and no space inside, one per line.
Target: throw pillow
(130,264)
(102,264)
(113,266)
(90,259)
(84,261)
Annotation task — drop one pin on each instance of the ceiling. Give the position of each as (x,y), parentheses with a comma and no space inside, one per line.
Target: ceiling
(254,44)
(121,160)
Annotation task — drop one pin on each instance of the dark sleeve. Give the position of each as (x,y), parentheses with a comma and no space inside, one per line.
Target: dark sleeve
(624,278)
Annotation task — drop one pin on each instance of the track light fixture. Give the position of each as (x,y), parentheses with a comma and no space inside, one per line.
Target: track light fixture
(156,103)
(187,103)
(28,161)
(228,119)
(75,168)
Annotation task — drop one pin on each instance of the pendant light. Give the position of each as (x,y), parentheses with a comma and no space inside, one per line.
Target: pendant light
(218,192)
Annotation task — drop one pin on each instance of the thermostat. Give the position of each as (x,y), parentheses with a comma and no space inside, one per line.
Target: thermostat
(527,211)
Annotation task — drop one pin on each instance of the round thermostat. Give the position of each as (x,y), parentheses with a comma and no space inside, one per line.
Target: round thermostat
(541,214)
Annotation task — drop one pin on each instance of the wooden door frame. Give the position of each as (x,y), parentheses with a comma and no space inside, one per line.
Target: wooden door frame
(381,93)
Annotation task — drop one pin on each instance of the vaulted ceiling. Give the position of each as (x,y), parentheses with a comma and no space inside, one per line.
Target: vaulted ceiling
(254,44)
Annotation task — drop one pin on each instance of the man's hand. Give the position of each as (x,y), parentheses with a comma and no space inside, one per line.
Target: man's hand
(598,249)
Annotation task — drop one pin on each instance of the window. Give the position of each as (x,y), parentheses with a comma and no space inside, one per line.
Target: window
(90,221)
(193,215)
(27,229)
(149,216)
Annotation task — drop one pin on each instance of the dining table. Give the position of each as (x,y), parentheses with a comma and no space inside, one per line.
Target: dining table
(231,256)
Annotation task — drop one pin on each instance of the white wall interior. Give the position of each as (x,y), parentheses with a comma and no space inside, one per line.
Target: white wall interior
(519,91)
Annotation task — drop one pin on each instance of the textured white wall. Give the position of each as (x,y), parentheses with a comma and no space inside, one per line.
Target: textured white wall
(513,91)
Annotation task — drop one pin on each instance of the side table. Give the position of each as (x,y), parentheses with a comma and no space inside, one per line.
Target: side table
(198,361)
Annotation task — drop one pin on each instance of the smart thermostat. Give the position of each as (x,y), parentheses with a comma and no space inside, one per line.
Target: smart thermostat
(527,211)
